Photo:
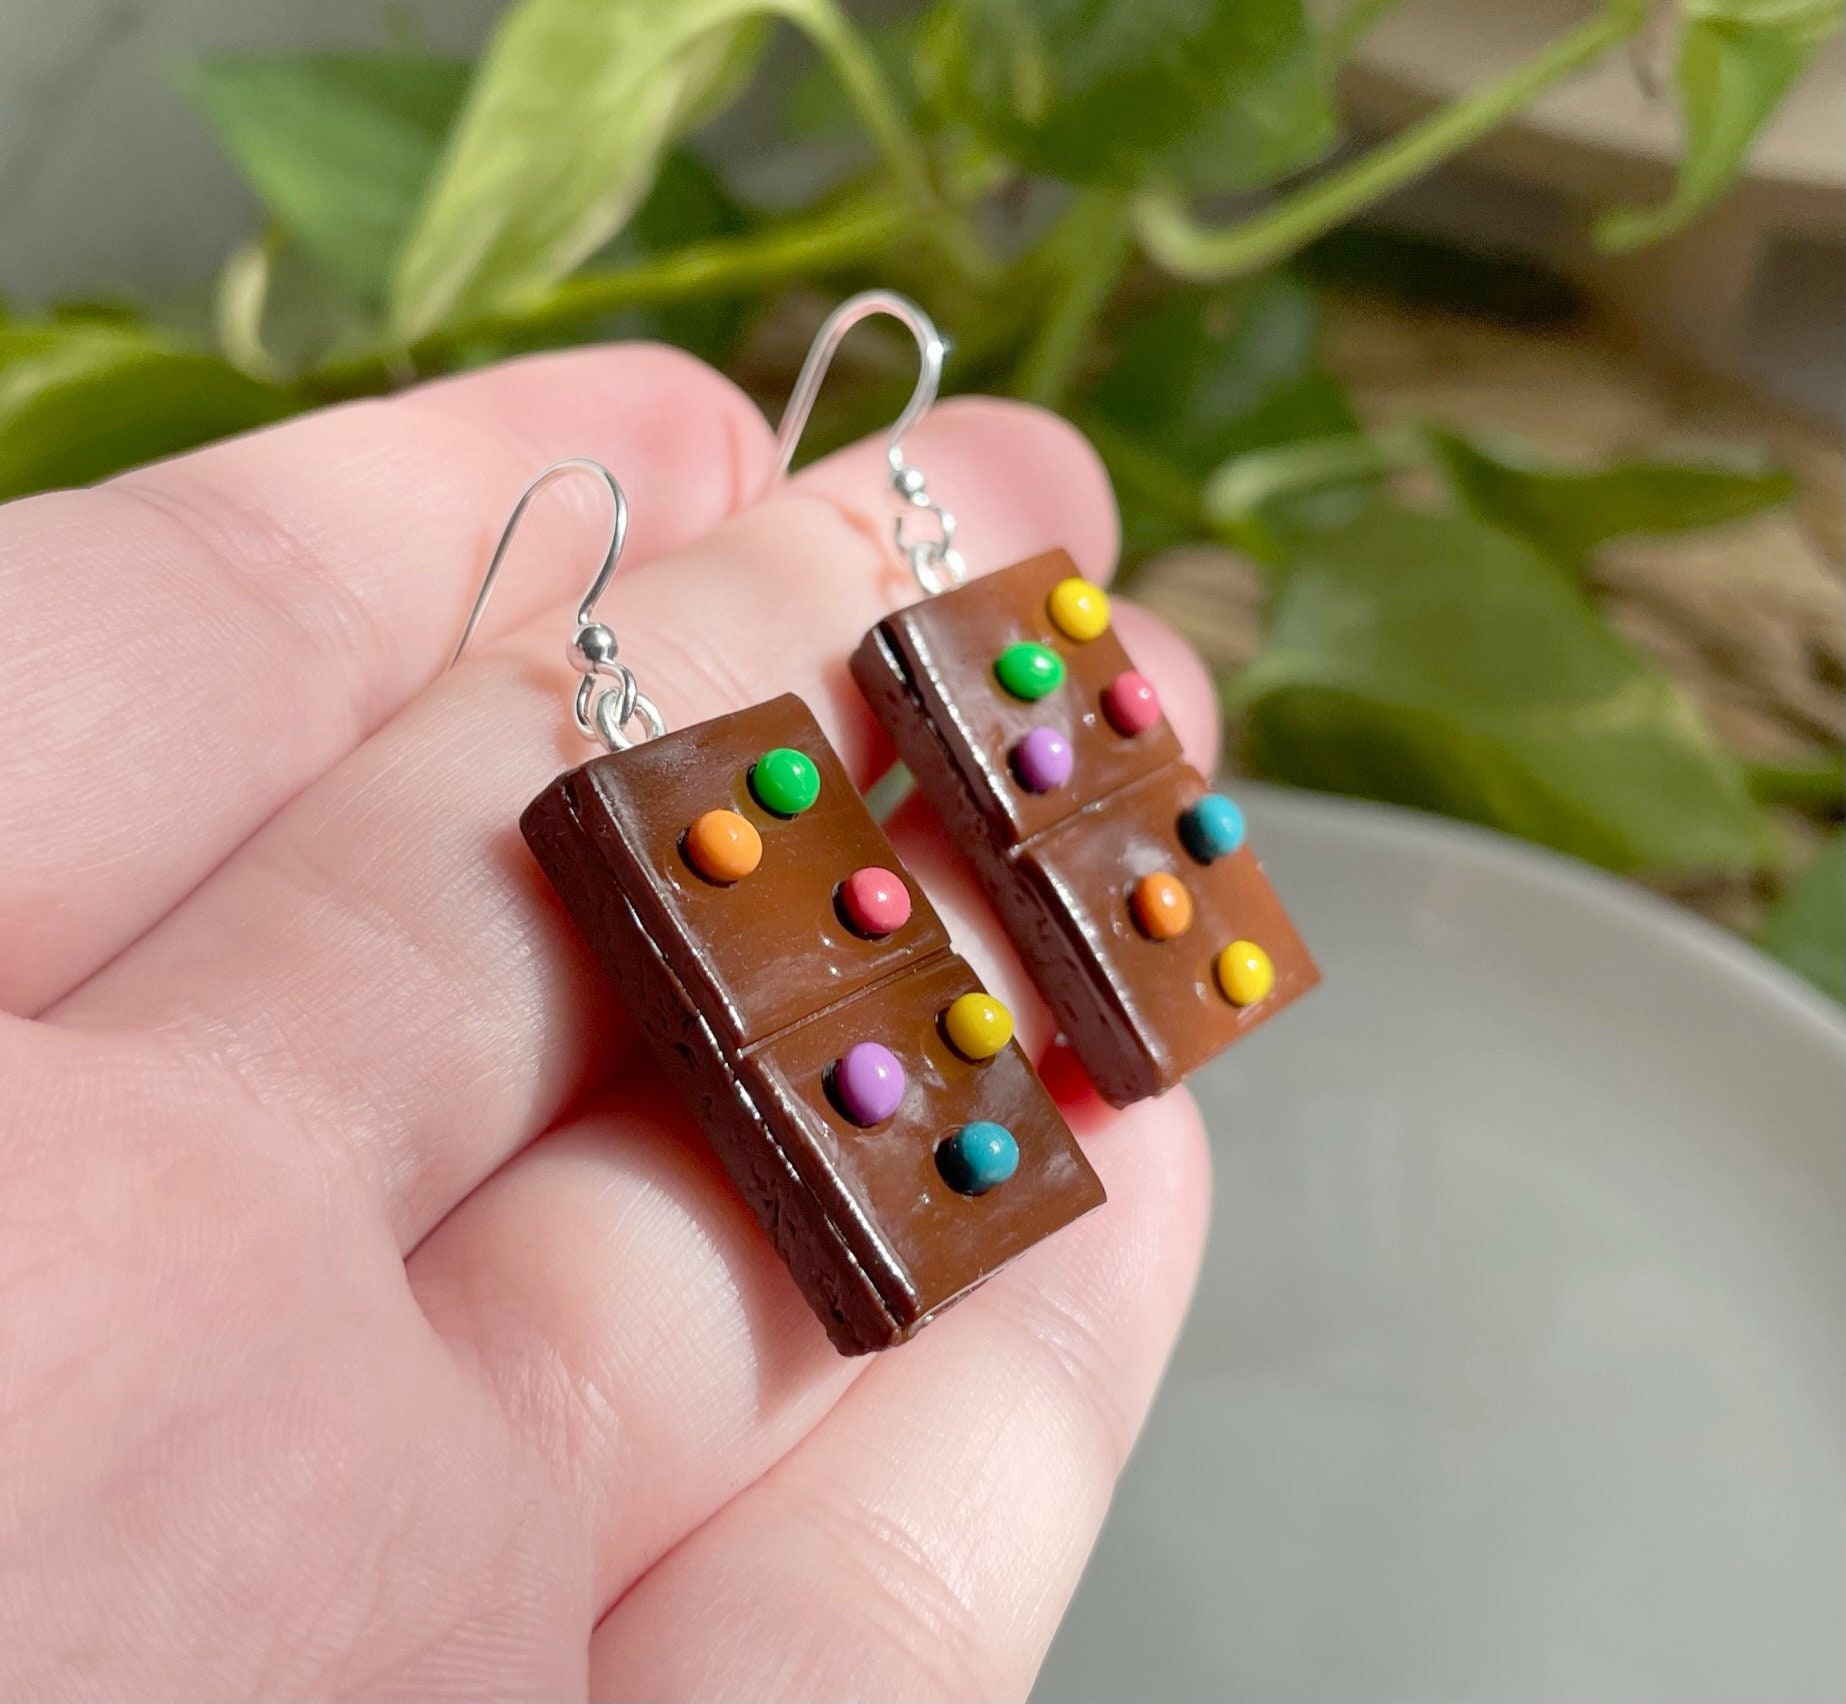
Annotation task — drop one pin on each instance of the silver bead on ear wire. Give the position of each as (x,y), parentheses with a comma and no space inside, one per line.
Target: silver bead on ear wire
(601,712)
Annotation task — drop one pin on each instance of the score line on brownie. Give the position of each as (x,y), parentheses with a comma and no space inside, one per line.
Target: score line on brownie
(860,1086)
(1124,881)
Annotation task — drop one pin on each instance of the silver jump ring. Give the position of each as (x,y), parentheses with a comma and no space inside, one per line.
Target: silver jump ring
(604,712)
(936,570)
(935,563)
(588,706)
(601,713)
(613,711)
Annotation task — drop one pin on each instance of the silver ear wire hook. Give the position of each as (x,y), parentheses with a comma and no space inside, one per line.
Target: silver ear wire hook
(601,714)
(935,561)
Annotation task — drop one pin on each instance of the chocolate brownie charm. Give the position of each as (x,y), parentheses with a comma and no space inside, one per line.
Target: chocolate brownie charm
(790,977)
(1123,879)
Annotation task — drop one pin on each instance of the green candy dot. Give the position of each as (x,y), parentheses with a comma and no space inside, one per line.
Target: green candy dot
(785,781)
(1030,671)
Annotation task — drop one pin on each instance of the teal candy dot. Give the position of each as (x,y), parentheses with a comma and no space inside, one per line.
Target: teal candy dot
(1212,828)
(978,1157)
(785,781)
(1030,671)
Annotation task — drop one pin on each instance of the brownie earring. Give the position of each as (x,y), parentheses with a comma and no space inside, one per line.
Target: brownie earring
(859,1085)
(1123,879)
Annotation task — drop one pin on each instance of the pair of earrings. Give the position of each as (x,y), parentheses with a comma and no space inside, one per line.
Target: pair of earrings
(863,1090)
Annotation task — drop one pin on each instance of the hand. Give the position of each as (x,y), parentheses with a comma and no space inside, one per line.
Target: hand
(372,1320)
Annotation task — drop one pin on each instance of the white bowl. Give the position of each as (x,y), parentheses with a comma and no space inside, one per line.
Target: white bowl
(1518,1367)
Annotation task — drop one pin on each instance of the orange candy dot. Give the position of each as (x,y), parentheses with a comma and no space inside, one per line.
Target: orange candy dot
(723,847)
(1162,906)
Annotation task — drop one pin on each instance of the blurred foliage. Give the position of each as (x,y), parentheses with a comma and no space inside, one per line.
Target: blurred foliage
(1123,210)
(1807,928)
(81,398)
(1737,59)
(338,149)
(1436,660)
(1570,513)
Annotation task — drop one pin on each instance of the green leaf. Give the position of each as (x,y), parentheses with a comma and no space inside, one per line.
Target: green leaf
(688,204)
(575,103)
(1814,781)
(1213,94)
(816,106)
(79,401)
(1434,661)
(1174,239)
(1806,929)
(1205,375)
(1202,378)
(338,147)
(97,310)
(1737,59)
(687,212)
(1569,513)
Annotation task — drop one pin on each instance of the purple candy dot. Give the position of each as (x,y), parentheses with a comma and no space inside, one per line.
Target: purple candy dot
(1042,760)
(869,1083)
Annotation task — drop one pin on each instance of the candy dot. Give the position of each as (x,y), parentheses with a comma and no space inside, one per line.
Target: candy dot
(1079,610)
(1212,828)
(977,1025)
(1030,671)
(978,1157)
(785,781)
(868,1082)
(723,847)
(874,901)
(1131,703)
(1245,973)
(1162,906)
(1042,760)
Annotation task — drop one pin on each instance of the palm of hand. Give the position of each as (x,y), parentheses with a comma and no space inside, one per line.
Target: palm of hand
(371,1320)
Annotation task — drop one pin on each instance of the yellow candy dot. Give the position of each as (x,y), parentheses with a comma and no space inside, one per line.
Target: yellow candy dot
(1080,610)
(978,1026)
(1245,973)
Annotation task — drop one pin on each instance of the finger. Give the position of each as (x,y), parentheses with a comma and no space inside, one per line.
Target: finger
(613,1263)
(191,644)
(613,1269)
(612,1291)
(402,984)
(923,1539)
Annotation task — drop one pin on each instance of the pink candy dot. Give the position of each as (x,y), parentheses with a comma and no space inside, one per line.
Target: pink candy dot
(1131,703)
(875,901)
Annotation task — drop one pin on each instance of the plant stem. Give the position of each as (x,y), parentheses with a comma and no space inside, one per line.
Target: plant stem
(1169,235)
(1815,783)
(1245,485)
(1089,247)
(238,304)
(860,75)
(724,266)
